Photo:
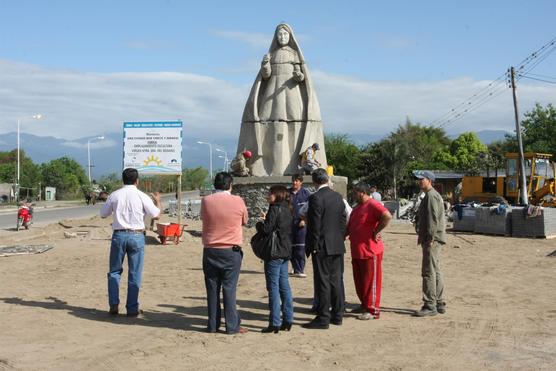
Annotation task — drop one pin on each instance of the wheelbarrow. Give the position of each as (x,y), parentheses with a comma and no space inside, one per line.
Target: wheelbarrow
(168,231)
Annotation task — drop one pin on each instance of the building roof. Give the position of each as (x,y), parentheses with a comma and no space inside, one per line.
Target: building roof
(443,174)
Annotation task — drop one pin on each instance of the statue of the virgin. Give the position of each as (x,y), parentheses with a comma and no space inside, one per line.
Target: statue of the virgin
(281,118)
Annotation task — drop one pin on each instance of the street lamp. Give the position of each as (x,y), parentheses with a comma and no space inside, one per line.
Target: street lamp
(210,157)
(225,158)
(225,162)
(89,153)
(34,117)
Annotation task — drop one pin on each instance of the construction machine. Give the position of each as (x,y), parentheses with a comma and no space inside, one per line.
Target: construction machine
(539,174)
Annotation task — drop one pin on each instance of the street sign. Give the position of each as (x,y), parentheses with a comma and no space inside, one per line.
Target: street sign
(153,147)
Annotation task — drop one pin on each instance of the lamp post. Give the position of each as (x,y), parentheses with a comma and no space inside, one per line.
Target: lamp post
(89,153)
(225,162)
(210,157)
(34,117)
(225,158)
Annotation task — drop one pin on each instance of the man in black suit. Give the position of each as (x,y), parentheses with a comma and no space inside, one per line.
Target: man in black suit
(326,222)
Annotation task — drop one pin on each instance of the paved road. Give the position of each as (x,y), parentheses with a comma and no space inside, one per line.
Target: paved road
(42,216)
(51,215)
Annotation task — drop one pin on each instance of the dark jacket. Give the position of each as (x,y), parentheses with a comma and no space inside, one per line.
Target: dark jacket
(279,218)
(326,223)
(298,200)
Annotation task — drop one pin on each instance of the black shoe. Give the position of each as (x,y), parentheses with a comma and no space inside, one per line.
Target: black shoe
(336,322)
(270,329)
(134,314)
(441,308)
(313,325)
(114,309)
(286,326)
(425,312)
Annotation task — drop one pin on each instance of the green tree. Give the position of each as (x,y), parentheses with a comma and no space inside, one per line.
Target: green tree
(466,153)
(193,178)
(343,155)
(66,175)
(389,163)
(30,175)
(539,130)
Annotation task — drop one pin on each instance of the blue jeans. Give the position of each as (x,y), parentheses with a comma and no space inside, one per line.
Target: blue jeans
(131,244)
(221,268)
(280,301)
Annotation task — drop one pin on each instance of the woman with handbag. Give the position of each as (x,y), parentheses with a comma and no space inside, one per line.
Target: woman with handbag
(277,227)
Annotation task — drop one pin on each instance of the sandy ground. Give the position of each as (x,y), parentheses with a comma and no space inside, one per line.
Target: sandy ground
(53,310)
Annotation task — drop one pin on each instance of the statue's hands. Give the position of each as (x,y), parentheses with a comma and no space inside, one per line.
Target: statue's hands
(266,59)
(298,76)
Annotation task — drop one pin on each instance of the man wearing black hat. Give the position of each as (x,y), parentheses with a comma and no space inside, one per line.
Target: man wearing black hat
(309,162)
(431,229)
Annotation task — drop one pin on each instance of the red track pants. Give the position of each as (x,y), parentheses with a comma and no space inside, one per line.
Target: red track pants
(367,274)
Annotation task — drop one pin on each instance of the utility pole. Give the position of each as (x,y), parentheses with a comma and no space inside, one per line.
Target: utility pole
(522,180)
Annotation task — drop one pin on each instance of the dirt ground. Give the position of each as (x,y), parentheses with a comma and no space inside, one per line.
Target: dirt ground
(501,314)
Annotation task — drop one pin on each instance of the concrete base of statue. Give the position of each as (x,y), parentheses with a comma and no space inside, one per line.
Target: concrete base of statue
(254,191)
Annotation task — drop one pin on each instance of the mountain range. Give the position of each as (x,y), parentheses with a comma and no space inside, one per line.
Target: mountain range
(106,154)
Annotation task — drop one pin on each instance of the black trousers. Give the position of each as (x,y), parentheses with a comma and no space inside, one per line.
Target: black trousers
(328,287)
(221,268)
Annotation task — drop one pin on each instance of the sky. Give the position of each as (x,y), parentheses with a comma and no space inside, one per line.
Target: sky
(88,66)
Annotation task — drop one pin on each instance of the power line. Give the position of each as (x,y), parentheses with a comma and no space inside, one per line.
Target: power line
(491,96)
(493,89)
(534,78)
(541,76)
(478,95)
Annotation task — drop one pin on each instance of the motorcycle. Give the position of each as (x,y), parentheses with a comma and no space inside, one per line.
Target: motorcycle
(24,216)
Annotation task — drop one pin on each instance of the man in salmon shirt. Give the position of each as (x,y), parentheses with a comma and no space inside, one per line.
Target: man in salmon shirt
(223,216)
(366,222)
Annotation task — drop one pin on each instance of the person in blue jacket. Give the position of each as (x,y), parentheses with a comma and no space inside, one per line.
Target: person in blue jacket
(299,196)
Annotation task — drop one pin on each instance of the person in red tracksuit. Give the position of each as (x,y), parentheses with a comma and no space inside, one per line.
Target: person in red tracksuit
(366,222)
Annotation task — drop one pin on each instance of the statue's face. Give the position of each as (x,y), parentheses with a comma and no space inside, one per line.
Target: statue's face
(283,36)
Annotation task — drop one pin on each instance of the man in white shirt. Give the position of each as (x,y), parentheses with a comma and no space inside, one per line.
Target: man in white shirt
(128,207)
(309,162)
(375,195)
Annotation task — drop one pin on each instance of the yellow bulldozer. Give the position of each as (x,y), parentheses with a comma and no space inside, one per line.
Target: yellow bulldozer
(539,174)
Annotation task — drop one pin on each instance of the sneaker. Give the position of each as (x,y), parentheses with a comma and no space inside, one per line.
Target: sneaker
(441,308)
(359,310)
(365,316)
(425,312)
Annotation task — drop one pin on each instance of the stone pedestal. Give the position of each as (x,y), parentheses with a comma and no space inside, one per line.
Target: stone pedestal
(254,191)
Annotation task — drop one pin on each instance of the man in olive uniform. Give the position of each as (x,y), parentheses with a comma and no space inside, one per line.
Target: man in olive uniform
(431,228)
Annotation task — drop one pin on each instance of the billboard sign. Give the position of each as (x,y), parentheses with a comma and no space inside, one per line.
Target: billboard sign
(153,147)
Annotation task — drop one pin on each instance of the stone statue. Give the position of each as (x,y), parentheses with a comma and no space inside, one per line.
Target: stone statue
(281,118)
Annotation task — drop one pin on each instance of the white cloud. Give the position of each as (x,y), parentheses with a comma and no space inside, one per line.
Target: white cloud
(97,144)
(352,105)
(395,41)
(253,39)
(79,104)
